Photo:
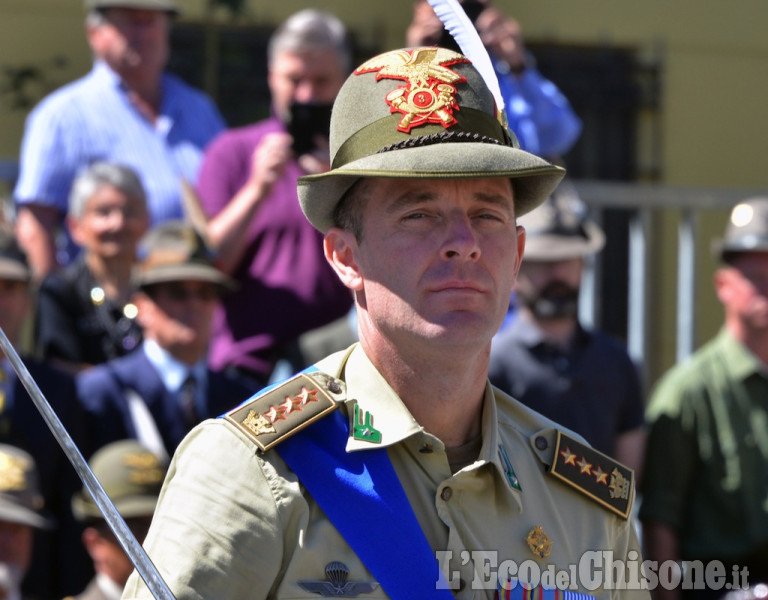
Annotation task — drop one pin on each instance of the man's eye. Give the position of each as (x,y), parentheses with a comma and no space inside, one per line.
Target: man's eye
(489,216)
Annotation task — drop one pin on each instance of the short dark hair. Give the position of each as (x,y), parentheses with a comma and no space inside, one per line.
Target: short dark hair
(348,212)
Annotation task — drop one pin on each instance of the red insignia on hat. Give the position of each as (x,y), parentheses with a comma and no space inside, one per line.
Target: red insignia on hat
(428,97)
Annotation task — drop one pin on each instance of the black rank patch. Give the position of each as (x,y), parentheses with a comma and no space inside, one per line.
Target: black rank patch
(594,474)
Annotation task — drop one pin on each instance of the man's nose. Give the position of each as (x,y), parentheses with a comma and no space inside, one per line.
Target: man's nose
(461,239)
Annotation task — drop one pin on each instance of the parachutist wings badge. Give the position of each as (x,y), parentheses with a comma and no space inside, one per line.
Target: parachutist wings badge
(336,584)
(428,96)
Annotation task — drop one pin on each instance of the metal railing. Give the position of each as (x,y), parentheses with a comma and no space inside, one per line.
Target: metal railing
(642,200)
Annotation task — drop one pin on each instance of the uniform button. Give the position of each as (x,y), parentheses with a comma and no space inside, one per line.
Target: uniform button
(446,493)
(541,442)
(334,386)
(426,449)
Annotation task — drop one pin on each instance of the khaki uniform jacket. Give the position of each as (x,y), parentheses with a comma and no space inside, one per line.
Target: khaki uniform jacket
(233,523)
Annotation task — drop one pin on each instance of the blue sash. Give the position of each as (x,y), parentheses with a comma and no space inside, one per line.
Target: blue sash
(362,496)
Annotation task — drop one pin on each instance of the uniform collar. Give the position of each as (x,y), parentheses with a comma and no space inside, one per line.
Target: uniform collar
(171,371)
(374,403)
(737,358)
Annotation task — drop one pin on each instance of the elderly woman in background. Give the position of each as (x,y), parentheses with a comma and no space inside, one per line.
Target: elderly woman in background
(83,314)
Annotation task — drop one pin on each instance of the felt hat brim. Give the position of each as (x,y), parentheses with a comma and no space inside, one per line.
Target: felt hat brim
(551,247)
(185,272)
(533,178)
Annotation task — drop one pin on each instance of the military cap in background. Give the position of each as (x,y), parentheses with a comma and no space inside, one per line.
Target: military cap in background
(13,261)
(20,498)
(164,5)
(747,229)
(561,229)
(131,476)
(175,251)
(420,113)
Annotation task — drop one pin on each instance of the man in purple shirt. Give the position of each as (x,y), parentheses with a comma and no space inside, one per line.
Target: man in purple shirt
(247,187)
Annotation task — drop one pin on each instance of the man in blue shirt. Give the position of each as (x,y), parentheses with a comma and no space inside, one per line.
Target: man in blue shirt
(126,110)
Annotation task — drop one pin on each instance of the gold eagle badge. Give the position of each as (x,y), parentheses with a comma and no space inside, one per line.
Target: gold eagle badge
(429,95)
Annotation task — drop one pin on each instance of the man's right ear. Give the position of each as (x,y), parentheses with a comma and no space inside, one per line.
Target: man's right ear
(340,248)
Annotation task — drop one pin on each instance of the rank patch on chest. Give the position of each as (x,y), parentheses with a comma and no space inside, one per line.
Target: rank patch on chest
(429,94)
(283,410)
(593,473)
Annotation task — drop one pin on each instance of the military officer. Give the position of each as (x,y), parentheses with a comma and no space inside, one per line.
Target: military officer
(394,469)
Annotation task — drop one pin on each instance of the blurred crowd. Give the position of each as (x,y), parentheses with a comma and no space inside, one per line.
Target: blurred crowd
(159,271)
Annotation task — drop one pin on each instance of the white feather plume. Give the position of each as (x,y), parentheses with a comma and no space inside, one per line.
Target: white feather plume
(456,21)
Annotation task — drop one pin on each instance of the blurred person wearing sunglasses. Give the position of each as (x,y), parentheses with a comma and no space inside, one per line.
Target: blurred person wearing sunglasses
(158,392)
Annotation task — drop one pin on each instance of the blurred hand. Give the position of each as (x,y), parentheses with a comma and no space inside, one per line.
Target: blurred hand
(319,160)
(426,28)
(268,162)
(503,37)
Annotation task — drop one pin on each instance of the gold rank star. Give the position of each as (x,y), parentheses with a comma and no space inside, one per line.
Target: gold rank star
(570,457)
(584,466)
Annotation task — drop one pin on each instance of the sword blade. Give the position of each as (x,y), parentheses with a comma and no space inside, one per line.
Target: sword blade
(133,549)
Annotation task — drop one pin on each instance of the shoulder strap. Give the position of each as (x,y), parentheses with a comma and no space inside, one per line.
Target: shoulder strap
(594,474)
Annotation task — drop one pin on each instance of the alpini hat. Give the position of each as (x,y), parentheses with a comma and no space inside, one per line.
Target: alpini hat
(131,476)
(13,260)
(560,229)
(747,229)
(175,251)
(20,498)
(420,113)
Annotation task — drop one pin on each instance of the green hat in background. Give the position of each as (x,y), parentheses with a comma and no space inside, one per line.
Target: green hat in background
(20,498)
(560,229)
(131,476)
(420,113)
(175,251)
(13,261)
(164,5)
(747,229)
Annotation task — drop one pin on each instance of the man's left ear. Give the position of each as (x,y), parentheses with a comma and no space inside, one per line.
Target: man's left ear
(339,246)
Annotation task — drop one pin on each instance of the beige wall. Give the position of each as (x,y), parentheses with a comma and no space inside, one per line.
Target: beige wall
(715,85)
(715,63)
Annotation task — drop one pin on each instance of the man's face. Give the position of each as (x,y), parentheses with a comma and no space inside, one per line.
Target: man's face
(315,76)
(437,259)
(107,553)
(15,550)
(178,316)
(133,42)
(111,224)
(742,287)
(550,289)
